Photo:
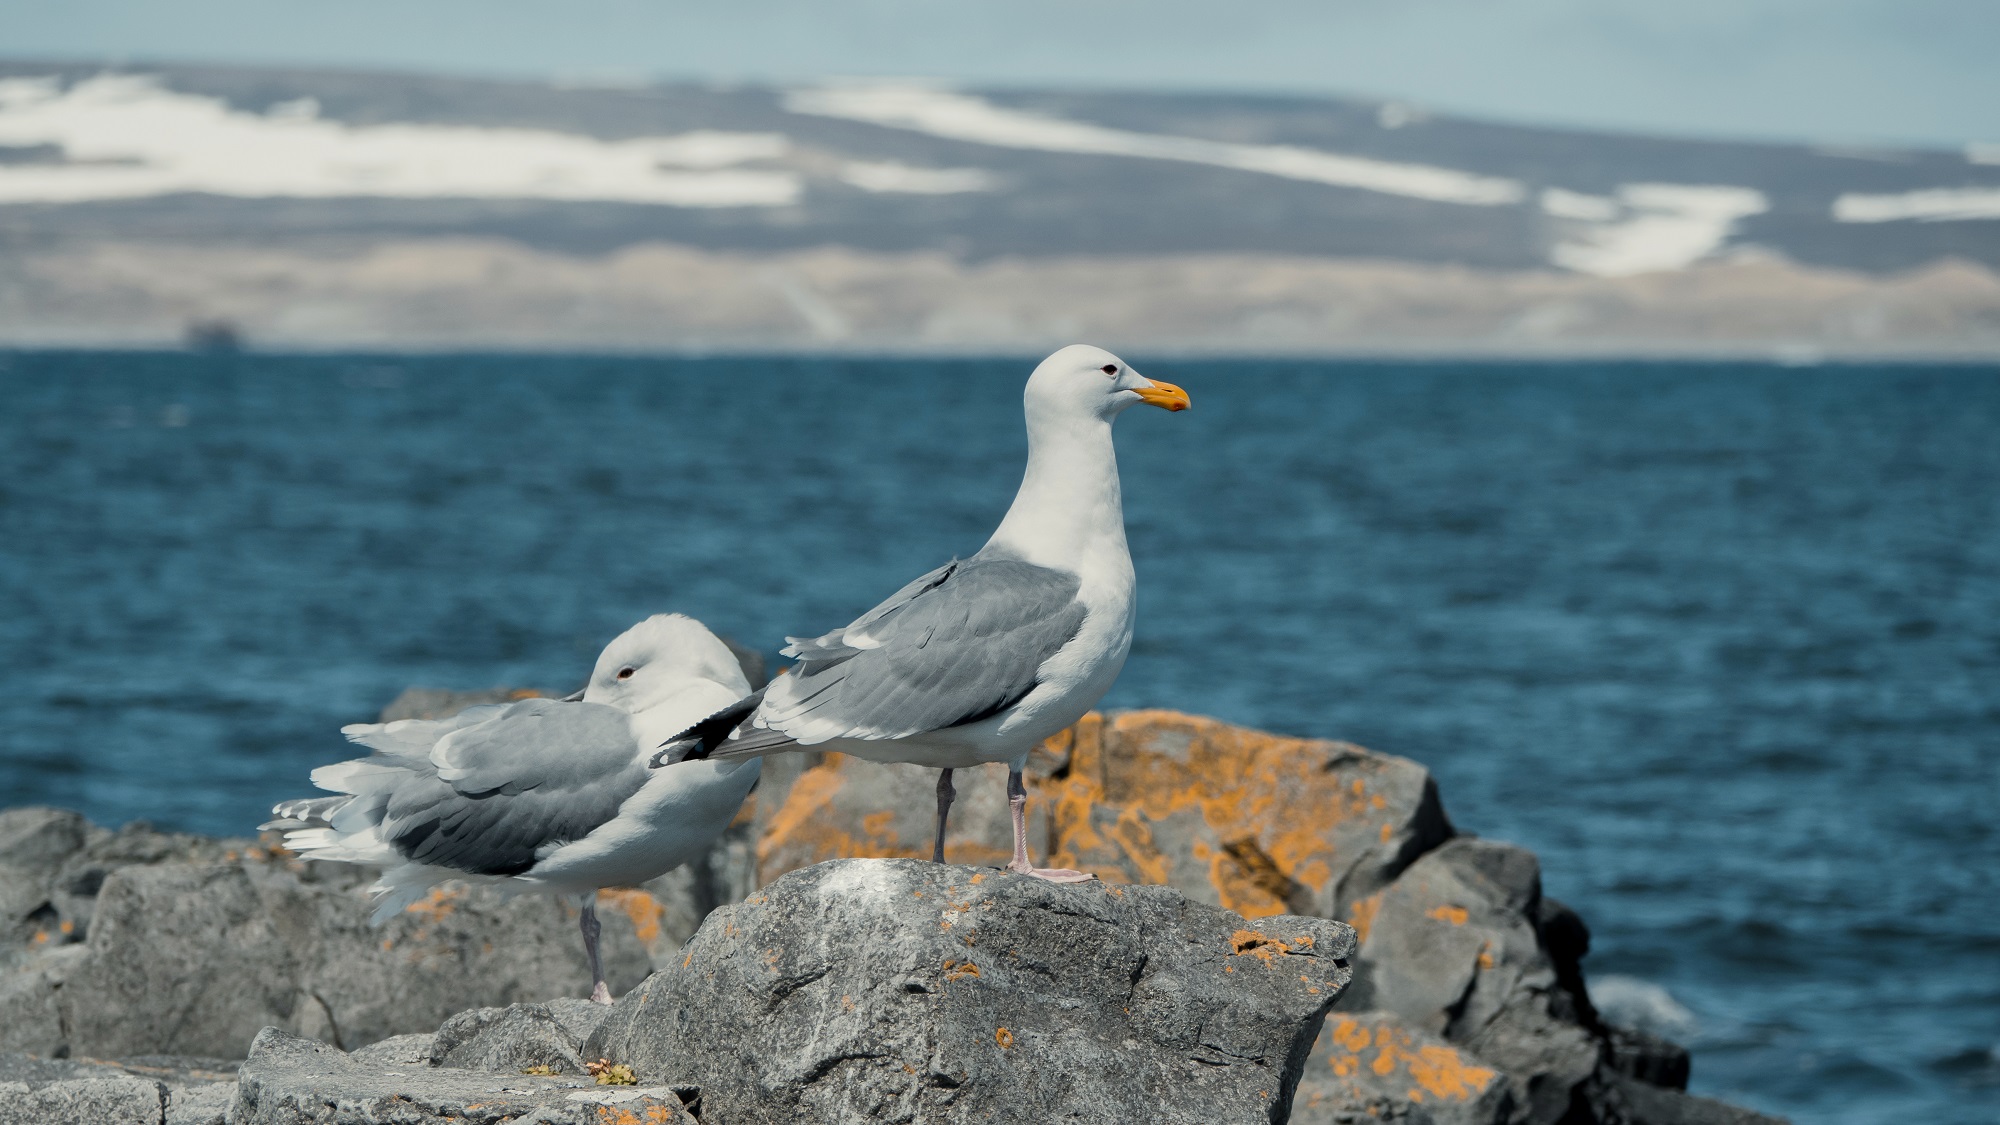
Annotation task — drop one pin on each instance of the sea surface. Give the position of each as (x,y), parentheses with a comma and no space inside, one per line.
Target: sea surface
(1720,642)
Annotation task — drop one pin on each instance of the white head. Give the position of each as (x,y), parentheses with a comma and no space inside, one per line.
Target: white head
(1081,381)
(659,658)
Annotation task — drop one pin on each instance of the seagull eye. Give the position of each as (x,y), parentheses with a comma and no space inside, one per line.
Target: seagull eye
(1109,369)
(626,672)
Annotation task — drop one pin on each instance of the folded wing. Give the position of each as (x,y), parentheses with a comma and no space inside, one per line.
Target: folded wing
(963,643)
(487,792)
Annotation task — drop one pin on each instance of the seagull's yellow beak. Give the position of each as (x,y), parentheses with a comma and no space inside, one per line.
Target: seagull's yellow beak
(1163,395)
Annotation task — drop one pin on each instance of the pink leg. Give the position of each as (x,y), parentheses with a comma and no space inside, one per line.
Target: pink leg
(1017,803)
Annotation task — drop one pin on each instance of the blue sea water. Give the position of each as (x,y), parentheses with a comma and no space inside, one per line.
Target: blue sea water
(1721,643)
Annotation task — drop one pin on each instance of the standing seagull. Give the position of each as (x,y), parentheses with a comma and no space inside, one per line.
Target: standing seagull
(558,796)
(981,659)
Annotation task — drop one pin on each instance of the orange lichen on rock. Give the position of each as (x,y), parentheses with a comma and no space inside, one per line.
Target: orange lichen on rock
(1258,823)
(959,970)
(656,1114)
(1267,822)
(644,910)
(1004,1037)
(846,808)
(1264,947)
(1391,1053)
(437,905)
(430,912)
(1255,944)
(800,818)
(1456,915)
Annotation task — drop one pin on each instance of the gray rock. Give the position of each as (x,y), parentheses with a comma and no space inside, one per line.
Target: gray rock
(169,1070)
(206,1104)
(579,1019)
(26,915)
(34,844)
(903,990)
(1552,1065)
(1454,948)
(39,839)
(36,1091)
(1648,1058)
(1631,1102)
(459,947)
(1372,1067)
(117,1100)
(30,1009)
(184,958)
(74,890)
(31,1071)
(397,1050)
(197,958)
(288,1080)
(517,1037)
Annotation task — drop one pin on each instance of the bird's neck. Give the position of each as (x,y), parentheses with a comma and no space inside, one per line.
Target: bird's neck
(1068,513)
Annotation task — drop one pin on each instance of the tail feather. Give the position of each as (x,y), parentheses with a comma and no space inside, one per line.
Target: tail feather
(709,737)
(306,812)
(754,742)
(404,885)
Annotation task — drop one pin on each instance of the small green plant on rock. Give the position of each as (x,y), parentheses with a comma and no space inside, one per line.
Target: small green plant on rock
(543,1071)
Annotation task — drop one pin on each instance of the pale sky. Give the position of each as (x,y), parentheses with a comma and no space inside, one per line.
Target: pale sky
(1840,71)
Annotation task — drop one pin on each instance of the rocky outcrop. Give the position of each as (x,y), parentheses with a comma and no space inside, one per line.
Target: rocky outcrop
(189,946)
(1465,970)
(905,990)
(1467,1004)
(881,990)
(1454,947)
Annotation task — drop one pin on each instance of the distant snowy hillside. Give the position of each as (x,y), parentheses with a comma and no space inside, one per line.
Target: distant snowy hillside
(284,157)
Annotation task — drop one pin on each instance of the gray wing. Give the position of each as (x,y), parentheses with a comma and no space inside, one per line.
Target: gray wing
(494,795)
(962,643)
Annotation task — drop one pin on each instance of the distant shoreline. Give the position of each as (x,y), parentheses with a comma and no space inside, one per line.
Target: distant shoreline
(1749,357)
(458,294)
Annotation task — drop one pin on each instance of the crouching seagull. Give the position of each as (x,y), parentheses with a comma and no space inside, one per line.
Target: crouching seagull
(983,658)
(562,797)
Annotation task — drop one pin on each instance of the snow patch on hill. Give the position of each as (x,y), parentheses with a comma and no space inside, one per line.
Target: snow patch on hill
(1932,205)
(125,136)
(963,117)
(890,176)
(1648,227)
